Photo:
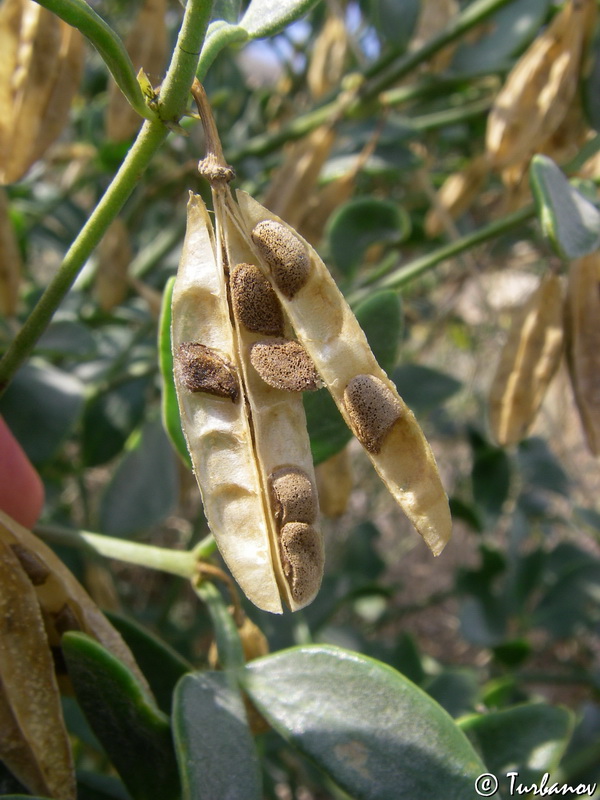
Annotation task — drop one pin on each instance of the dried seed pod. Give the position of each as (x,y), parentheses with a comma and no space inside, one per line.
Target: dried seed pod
(325,325)
(284,364)
(42,63)
(61,598)
(33,739)
(302,557)
(10,261)
(147,45)
(527,363)
(236,446)
(328,58)
(114,257)
(254,301)
(539,89)
(583,343)
(456,195)
(434,17)
(285,255)
(200,369)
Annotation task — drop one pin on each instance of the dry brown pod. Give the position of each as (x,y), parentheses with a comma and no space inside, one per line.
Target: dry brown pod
(328,59)
(539,89)
(11,265)
(583,343)
(40,71)
(528,362)
(369,402)
(147,45)
(456,195)
(241,442)
(114,257)
(434,17)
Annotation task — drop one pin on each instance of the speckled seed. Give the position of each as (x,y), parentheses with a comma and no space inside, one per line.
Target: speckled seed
(34,567)
(302,559)
(285,364)
(255,302)
(65,620)
(200,369)
(372,408)
(293,495)
(285,255)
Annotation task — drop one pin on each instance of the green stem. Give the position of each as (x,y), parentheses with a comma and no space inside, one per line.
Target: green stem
(175,562)
(220,34)
(174,96)
(229,645)
(409,272)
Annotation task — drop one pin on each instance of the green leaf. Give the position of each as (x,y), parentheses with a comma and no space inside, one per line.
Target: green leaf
(422,388)
(490,476)
(456,690)
(111,49)
(170,408)
(42,407)
(506,33)
(395,21)
(380,316)
(110,417)
(161,665)
(266,18)
(528,738)
(540,468)
(144,488)
(569,220)
(369,728)
(124,718)
(214,745)
(67,338)
(360,223)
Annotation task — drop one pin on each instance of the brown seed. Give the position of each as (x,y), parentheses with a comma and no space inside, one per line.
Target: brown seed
(66,620)
(373,409)
(255,302)
(201,369)
(294,497)
(36,570)
(285,364)
(302,559)
(285,255)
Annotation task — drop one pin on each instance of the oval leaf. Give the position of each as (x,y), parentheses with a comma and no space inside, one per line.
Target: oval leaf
(144,488)
(569,220)
(361,223)
(371,729)
(214,745)
(124,718)
(265,18)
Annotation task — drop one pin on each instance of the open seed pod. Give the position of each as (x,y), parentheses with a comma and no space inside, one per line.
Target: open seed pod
(40,70)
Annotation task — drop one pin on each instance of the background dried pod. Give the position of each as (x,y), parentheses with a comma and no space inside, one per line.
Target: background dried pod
(583,343)
(114,257)
(42,64)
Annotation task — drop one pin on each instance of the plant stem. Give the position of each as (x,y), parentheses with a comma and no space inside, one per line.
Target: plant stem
(414,269)
(174,95)
(175,562)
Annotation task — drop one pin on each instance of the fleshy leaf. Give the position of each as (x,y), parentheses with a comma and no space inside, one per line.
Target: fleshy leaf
(124,718)
(214,745)
(265,18)
(374,732)
(569,220)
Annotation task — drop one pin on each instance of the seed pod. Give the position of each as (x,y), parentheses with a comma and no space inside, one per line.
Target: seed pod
(456,195)
(236,446)
(327,62)
(539,89)
(583,343)
(325,325)
(334,483)
(527,363)
(42,63)
(10,261)
(147,45)
(114,257)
